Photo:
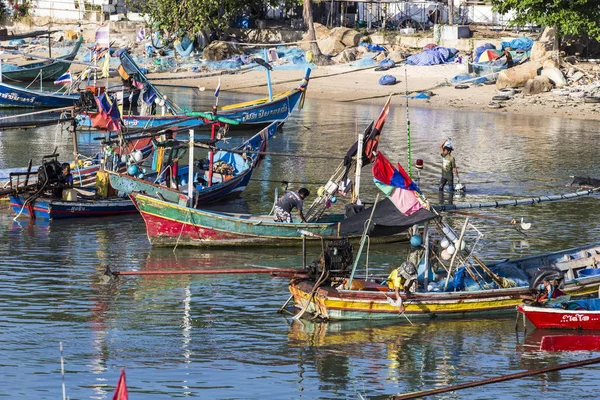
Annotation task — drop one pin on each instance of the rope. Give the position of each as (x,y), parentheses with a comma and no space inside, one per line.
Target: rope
(38,112)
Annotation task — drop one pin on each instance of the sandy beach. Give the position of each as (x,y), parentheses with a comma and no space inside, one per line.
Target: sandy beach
(345,84)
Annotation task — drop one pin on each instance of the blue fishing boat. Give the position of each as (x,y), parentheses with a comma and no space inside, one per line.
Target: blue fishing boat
(49,208)
(15,96)
(260,112)
(220,185)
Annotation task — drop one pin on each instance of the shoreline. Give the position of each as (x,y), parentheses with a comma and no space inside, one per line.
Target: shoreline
(339,83)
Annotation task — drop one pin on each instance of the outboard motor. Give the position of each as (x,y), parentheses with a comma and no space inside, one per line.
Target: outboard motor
(547,274)
(337,259)
(49,173)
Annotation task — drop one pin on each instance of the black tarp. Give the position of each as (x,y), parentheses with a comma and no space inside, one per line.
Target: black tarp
(387,220)
(585,182)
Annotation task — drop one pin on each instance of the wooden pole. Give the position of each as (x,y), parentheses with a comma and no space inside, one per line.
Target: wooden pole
(208,271)
(457,249)
(190,170)
(501,378)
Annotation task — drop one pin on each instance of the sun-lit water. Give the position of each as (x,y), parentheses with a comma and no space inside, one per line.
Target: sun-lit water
(221,336)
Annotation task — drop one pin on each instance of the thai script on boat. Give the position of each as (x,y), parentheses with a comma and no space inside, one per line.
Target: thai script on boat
(77,209)
(255,115)
(15,96)
(575,318)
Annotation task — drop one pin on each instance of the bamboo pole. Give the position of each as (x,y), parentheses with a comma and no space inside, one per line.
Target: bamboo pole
(457,249)
(501,378)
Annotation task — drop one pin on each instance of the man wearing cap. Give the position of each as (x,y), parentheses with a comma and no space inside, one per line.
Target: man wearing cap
(448,166)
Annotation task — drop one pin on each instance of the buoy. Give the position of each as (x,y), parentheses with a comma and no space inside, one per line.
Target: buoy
(137,156)
(445,243)
(416,240)
(333,199)
(132,170)
(445,255)
(451,249)
(140,175)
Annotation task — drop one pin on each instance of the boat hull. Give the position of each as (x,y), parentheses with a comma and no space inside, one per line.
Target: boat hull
(332,304)
(168,224)
(557,318)
(47,208)
(14,96)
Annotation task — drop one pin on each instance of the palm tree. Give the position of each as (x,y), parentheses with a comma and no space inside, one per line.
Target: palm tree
(318,57)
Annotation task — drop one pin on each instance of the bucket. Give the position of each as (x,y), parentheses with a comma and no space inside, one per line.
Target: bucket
(69,195)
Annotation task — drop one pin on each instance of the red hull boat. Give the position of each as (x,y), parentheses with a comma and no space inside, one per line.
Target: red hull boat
(576,314)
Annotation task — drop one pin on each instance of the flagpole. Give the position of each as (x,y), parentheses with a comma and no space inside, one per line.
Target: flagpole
(408,124)
(269,85)
(359,162)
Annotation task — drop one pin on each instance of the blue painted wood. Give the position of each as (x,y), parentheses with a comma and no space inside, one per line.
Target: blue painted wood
(15,96)
(50,208)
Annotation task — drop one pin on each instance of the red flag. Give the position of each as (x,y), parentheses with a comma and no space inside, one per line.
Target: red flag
(121,391)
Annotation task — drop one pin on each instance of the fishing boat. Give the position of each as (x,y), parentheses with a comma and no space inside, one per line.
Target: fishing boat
(215,186)
(340,296)
(52,208)
(16,96)
(260,112)
(571,314)
(45,70)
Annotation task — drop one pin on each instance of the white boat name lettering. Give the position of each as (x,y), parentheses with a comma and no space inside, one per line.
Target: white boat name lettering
(15,96)
(250,116)
(575,318)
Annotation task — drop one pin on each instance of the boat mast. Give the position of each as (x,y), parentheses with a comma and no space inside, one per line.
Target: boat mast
(359,154)
(191,169)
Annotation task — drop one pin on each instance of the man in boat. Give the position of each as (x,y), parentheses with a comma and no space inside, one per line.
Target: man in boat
(171,165)
(548,292)
(449,168)
(65,180)
(289,201)
(402,278)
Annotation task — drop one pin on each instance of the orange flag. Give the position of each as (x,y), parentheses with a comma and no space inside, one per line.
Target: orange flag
(121,392)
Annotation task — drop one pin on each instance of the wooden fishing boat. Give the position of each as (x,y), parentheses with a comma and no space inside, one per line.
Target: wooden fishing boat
(249,114)
(52,208)
(220,187)
(45,70)
(15,96)
(572,314)
(336,299)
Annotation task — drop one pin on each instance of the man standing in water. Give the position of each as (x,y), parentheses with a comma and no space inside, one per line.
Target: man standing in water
(448,166)
(289,201)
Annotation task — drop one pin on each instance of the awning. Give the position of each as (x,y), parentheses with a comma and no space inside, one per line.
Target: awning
(387,220)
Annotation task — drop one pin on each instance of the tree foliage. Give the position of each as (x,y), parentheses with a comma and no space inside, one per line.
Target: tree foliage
(570,17)
(192,16)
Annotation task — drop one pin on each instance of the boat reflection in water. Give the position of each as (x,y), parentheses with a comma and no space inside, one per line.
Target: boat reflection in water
(552,340)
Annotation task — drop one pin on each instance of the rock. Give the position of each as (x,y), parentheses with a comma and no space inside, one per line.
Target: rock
(576,76)
(321,33)
(537,85)
(555,75)
(380,57)
(550,63)
(541,52)
(396,56)
(347,36)
(218,51)
(517,76)
(331,46)
(348,55)
(362,49)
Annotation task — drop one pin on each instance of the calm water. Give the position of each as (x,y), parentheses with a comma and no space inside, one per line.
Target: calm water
(221,336)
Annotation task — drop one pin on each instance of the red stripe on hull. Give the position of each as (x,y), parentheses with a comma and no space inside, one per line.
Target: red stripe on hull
(162,228)
(556,319)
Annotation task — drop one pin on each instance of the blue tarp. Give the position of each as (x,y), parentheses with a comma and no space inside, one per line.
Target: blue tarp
(435,56)
(521,43)
(469,78)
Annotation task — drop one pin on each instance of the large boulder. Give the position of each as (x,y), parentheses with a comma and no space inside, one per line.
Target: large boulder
(537,85)
(396,56)
(218,51)
(555,75)
(331,46)
(346,56)
(321,33)
(347,36)
(517,76)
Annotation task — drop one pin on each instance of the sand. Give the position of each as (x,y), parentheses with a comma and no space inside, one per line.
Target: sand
(345,84)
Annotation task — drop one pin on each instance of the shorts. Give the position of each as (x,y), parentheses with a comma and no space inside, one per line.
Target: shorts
(281,215)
